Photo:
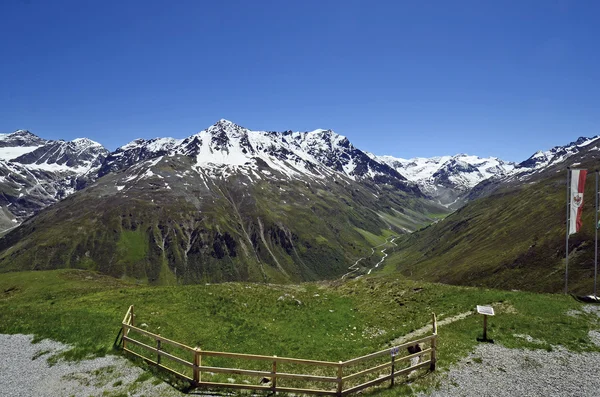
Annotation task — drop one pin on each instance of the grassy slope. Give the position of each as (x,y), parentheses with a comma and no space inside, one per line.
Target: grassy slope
(335,321)
(512,239)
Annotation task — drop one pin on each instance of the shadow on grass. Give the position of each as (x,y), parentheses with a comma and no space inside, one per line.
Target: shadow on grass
(117,344)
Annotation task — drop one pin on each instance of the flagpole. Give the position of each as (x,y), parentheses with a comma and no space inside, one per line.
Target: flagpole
(596,241)
(567,236)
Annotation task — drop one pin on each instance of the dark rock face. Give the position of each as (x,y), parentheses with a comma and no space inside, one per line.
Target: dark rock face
(67,154)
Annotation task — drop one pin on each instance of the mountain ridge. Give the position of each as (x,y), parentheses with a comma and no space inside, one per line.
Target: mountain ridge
(449,180)
(224,204)
(228,203)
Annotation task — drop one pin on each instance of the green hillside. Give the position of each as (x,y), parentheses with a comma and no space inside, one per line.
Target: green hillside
(513,239)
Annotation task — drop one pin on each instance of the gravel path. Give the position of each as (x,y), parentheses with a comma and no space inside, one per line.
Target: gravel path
(24,371)
(429,328)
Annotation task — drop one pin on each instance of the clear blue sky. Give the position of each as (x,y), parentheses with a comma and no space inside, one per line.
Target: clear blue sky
(419,78)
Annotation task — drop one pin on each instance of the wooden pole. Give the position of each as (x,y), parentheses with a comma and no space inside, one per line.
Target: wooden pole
(126,322)
(485,327)
(123,337)
(433,343)
(132,317)
(158,351)
(340,380)
(393,368)
(274,376)
(197,361)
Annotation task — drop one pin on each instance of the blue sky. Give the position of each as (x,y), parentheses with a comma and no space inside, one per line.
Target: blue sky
(501,78)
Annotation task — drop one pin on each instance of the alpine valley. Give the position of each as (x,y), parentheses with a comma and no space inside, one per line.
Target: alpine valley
(230,204)
(224,204)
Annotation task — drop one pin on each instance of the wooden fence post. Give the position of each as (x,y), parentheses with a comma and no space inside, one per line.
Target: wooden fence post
(124,336)
(158,352)
(197,363)
(393,369)
(340,380)
(132,317)
(126,322)
(274,376)
(433,343)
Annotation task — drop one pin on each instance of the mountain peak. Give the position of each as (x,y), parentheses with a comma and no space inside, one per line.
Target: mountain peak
(85,142)
(22,134)
(224,123)
(224,126)
(21,138)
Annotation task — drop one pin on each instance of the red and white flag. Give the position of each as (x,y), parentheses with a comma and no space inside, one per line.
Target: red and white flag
(576,200)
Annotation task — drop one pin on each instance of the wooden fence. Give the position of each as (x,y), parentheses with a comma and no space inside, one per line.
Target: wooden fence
(355,374)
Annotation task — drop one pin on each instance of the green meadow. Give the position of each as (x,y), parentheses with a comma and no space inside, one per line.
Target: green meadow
(329,321)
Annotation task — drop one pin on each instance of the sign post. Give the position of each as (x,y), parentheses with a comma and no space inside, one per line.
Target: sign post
(486,311)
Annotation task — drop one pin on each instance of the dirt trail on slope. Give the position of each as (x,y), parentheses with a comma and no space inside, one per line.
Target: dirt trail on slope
(429,328)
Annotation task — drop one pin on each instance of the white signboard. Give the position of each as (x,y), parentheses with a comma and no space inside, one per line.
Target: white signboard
(487,310)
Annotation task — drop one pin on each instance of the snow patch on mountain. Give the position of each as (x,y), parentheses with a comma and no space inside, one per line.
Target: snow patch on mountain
(9,153)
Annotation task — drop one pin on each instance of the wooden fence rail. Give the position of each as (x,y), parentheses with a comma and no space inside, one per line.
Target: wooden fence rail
(341,368)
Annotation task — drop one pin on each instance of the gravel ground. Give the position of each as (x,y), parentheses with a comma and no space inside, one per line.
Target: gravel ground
(24,371)
(494,370)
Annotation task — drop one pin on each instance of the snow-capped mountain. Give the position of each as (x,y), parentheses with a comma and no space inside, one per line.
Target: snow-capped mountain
(228,146)
(541,164)
(229,203)
(226,203)
(542,160)
(453,180)
(18,143)
(36,172)
(448,179)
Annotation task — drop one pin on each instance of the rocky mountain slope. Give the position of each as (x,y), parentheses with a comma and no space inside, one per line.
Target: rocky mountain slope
(36,172)
(513,236)
(224,204)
